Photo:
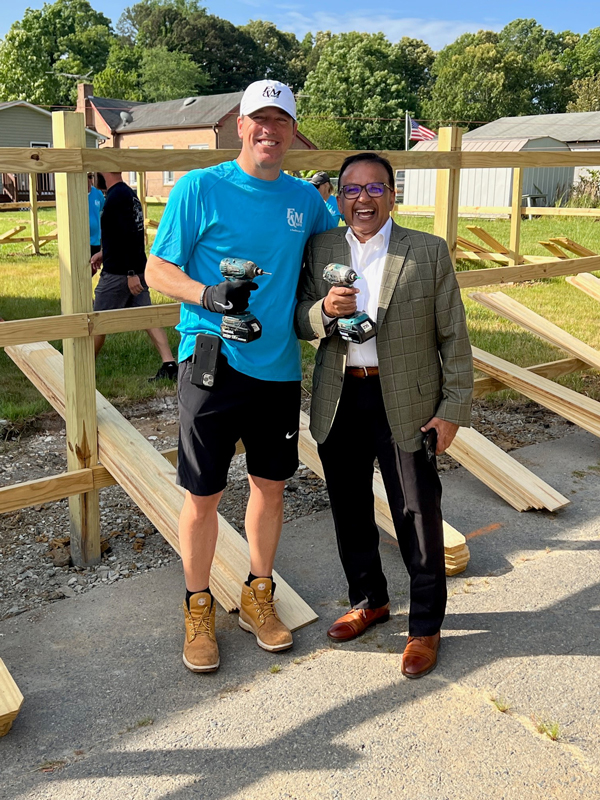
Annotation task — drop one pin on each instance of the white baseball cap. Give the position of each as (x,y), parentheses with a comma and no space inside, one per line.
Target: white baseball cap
(261,94)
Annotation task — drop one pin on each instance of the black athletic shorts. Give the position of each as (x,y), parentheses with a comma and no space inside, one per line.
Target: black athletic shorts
(112,291)
(265,415)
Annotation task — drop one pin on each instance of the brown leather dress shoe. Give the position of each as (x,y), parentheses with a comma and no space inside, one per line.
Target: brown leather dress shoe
(356,621)
(420,655)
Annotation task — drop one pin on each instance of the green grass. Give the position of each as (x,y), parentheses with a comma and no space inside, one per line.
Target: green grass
(29,287)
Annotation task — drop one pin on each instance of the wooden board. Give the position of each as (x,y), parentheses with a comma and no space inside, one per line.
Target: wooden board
(574,247)
(577,408)
(554,250)
(526,272)
(447,185)
(587,283)
(551,369)
(11,699)
(523,316)
(500,472)
(515,217)
(7,236)
(149,479)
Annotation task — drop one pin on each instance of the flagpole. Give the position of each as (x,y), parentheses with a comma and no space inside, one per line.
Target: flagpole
(406,136)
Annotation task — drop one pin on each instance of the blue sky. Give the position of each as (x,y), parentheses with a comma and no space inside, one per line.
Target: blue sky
(436,21)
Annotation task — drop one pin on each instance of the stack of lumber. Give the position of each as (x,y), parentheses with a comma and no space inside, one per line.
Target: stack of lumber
(523,316)
(575,407)
(455,546)
(11,699)
(500,472)
(574,247)
(587,283)
(149,479)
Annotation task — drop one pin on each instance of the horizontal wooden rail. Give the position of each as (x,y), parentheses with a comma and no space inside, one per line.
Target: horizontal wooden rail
(74,326)
(27,204)
(526,272)
(551,369)
(26,159)
(539,211)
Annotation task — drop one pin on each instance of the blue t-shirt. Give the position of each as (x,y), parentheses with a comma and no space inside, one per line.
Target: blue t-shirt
(222,211)
(332,205)
(95,206)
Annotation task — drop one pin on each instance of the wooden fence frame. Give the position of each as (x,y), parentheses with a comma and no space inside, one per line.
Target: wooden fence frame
(78,323)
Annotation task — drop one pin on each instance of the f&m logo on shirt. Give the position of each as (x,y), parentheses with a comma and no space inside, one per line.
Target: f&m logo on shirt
(295,220)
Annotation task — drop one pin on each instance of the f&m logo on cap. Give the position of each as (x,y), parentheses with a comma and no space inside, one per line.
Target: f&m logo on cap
(270,91)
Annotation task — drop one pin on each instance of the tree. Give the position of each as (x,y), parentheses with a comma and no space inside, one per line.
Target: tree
(413,60)
(312,47)
(167,75)
(67,36)
(227,55)
(584,58)
(122,74)
(327,134)
(281,54)
(487,75)
(587,94)
(355,82)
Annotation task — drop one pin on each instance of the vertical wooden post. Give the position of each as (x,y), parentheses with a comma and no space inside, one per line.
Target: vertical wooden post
(446,192)
(141,190)
(80,374)
(515,217)
(33,213)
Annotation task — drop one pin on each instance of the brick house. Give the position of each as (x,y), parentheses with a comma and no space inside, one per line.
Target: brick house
(194,122)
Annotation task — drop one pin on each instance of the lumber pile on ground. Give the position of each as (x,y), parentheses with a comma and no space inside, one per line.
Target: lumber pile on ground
(149,479)
(500,472)
(11,699)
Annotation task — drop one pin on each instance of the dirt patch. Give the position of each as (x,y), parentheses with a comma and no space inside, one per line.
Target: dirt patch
(32,541)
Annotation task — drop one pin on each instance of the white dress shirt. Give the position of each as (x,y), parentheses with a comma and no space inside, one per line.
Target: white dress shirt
(368,261)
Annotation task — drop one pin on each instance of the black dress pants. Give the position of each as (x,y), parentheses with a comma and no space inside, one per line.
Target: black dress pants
(360,434)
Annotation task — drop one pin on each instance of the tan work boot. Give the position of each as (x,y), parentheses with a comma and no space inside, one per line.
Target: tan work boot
(200,648)
(258,615)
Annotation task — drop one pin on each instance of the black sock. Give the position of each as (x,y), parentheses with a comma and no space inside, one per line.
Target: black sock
(169,363)
(188,594)
(252,577)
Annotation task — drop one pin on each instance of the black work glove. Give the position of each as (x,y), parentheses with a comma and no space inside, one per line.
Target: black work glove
(228,297)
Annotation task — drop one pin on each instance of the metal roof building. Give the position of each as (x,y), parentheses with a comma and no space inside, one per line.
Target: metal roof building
(492,187)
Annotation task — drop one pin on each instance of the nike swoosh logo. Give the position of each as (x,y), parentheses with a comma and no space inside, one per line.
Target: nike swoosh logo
(290,435)
(226,306)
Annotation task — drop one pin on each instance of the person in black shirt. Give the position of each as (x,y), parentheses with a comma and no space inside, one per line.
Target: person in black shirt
(123,256)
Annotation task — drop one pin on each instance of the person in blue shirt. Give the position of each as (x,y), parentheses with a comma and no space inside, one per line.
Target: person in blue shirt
(95,206)
(322,182)
(249,209)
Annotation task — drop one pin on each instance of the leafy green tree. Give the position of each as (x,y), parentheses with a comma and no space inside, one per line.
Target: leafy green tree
(167,75)
(281,54)
(584,58)
(39,51)
(413,60)
(228,56)
(587,94)
(122,74)
(327,134)
(356,82)
(312,47)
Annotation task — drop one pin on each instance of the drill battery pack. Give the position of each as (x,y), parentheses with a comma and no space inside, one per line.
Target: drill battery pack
(243,328)
(357,329)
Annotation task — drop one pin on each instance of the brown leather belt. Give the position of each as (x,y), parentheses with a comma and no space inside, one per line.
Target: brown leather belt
(362,372)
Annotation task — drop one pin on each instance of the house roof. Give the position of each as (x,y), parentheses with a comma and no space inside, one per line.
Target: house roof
(576,127)
(191,112)
(12,103)
(496,145)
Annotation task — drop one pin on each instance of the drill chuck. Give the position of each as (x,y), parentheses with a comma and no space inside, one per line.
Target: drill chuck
(339,275)
(240,269)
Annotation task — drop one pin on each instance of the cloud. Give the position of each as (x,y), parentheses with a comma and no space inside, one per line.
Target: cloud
(436,32)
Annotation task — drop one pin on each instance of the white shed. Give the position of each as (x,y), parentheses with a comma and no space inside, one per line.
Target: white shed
(493,187)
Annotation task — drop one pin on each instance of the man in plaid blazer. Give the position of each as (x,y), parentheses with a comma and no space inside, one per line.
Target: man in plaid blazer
(376,400)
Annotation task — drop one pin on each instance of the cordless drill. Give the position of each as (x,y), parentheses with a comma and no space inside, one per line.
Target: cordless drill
(240,327)
(357,327)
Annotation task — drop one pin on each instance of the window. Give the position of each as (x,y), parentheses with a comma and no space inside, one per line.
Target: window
(168,176)
(198,147)
(133,175)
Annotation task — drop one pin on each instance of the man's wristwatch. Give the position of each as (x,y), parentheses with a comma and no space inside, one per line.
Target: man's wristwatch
(131,274)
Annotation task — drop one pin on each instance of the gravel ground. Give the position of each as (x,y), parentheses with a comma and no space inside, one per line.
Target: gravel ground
(34,541)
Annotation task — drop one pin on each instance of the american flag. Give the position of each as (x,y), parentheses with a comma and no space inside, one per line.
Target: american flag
(420,132)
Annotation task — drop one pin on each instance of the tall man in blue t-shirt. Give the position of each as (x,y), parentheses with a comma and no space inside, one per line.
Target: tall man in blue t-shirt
(247,208)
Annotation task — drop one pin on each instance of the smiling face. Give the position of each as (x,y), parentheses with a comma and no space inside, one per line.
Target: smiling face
(366,215)
(266,135)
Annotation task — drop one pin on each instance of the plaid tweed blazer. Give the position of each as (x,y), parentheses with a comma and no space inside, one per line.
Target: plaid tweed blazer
(425,361)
